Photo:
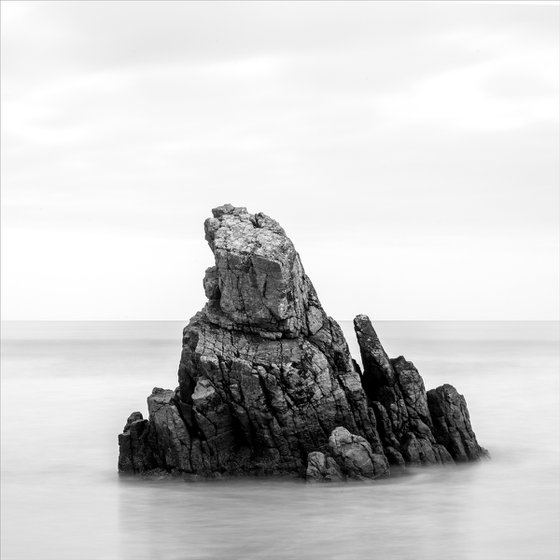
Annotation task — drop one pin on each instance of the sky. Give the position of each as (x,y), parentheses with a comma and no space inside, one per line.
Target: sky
(409,149)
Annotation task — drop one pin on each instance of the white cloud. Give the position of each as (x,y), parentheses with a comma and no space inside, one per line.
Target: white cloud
(356,123)
(467,97)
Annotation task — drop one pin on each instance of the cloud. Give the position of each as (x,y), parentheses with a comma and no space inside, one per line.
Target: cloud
(364,122)
(515,86)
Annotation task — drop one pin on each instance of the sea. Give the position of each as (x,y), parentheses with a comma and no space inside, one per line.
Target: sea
(68,387)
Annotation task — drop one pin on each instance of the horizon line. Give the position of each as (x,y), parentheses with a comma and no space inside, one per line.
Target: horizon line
(340,320)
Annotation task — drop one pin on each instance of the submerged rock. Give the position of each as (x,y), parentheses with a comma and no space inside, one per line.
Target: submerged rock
(267,384)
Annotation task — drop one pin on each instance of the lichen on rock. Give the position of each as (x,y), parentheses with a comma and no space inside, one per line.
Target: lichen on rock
(267,384)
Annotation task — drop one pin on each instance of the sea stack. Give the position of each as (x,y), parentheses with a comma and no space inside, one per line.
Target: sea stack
(267,385)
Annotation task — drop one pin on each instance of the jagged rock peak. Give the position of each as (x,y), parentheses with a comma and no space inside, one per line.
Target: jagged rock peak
(233,227)
(416,427)
(258,283)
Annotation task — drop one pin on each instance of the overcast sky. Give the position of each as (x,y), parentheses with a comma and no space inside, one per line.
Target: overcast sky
(410,150)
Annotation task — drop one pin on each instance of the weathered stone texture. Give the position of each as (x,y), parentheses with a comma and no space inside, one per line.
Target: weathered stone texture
(452,424)
(267,384)
(412,430)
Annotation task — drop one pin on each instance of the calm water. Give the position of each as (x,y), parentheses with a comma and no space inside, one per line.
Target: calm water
(68,388)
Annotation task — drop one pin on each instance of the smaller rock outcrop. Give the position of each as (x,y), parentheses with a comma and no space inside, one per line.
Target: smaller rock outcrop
(452,424)
(135,446)
(322,468)
(415,427)
(348,457)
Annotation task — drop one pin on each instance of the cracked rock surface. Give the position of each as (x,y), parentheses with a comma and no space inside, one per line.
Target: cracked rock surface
(267,384)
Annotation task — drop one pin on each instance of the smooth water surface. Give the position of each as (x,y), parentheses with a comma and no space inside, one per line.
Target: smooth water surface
(67,389)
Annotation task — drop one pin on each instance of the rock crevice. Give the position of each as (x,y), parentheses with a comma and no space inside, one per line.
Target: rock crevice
(267,384)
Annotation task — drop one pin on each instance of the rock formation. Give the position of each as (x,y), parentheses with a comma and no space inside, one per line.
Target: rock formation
(267,384)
